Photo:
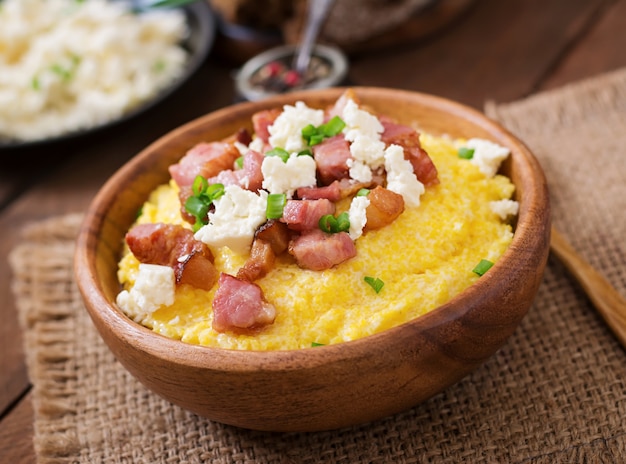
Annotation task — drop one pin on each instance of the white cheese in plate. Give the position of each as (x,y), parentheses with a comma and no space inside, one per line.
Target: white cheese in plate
(400,176)
(487,155)
(286,131)
(154,287)
(285,177)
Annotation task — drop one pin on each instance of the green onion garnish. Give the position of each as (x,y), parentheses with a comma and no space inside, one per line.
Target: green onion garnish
(363,192)
(306,152)
(374,282)
(203,195)
(35,84)
(332,225)
(239,162)
(314,344)
(275,204)
(314,135)
(483,266)
(466,153)
(280,152)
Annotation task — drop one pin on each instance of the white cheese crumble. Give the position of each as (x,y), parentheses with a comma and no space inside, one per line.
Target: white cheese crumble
(238,213)
(357,215)
(286,177)
(504,208)
(400,176)
(363,130)
(487,155)
(154,287)
(286,131)
(359,171)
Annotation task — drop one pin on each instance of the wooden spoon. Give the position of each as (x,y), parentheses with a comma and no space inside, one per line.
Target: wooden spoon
(609,303)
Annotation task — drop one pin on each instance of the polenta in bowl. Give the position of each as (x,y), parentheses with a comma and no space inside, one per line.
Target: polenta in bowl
(318,259)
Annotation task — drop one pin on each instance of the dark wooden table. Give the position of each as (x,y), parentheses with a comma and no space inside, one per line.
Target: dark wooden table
(497,50)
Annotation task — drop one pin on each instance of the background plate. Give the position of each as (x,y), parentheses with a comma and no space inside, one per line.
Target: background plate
(201,22)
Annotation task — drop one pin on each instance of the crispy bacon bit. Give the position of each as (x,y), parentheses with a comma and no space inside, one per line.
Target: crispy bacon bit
(408,138)
(263,120)
(240,306)
(332,157)
(331,192)
(205,159)
(306,214)
(276,234)
(252,162)
(174,246)
(317,250)
(260,262)
(385,206)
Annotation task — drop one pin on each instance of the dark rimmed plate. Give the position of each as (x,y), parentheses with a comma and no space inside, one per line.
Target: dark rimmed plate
(198,44)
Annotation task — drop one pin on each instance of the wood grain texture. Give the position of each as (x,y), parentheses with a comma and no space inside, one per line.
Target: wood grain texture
(337,385)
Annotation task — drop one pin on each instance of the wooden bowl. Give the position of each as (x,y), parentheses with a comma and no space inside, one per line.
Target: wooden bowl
(330,386)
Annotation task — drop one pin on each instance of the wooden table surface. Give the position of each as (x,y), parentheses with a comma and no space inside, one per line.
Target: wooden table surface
(496,50)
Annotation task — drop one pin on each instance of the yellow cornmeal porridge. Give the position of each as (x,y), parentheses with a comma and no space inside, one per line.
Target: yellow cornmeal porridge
(425,257)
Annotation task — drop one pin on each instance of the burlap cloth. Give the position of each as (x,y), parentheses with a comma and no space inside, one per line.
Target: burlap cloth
(556,392)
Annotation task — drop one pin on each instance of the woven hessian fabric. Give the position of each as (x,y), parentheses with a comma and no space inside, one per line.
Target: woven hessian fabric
(556,392)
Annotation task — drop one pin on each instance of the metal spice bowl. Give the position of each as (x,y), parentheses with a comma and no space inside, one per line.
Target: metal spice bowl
(270,73)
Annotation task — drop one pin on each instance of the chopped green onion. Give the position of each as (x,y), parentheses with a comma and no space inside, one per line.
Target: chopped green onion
(239,162)
(483,266)
(374,282)
(35,84)
(333,127)
(325,223)
(275,204)
(314,135)
(306,152)
(332,225)
(343,222)
(280,152)
(314,344)
(466,153)
(199,203)
(199,185)
(363,192)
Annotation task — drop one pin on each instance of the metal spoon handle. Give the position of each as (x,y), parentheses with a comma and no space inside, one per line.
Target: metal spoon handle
(609,303)
(317,12)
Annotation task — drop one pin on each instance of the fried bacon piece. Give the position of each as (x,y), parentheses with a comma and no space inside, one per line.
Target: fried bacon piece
(306,214)
(262,120)
(239,306)
(408,138)
(204,159)
(276,234)
(332,157)
(174,246)
(385,206)
(260,262)
(317,250)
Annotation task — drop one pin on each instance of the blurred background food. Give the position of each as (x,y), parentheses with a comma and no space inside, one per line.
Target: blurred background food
(251,26)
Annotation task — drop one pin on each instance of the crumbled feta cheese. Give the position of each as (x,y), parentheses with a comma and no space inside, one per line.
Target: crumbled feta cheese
(358,216)
(286,132)
(363,130)
(400,176)
(504,208)
(238,213)
(154,287)
(286,177)
(487,155)
(257,145)
(359,171)
(360,122)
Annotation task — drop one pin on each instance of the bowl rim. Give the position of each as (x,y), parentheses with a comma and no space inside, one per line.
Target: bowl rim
(104,312)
